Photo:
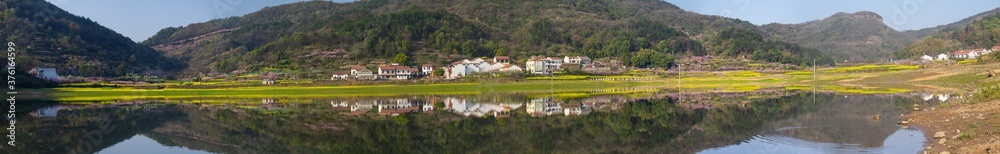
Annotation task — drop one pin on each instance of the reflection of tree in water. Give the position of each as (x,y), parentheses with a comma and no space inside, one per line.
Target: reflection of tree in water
(847,120)
(638,126)
(87,129)
(645,125)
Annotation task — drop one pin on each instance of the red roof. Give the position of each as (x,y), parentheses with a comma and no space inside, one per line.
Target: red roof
(396,67)
(996,47)
(501,58)
(341,72)
(427,65)
(357,67)
(963,52)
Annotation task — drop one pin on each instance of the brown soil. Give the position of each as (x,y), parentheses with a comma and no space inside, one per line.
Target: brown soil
(980,120)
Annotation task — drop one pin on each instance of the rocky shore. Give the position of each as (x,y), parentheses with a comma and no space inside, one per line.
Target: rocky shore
(964,128)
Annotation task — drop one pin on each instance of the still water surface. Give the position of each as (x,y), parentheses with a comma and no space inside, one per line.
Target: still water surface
(752,122)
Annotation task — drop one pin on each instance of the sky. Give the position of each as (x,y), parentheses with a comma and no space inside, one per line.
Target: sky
(898,14)
(140,20)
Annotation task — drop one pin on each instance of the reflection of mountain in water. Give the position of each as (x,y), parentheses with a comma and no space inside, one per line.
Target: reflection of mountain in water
(464,125)
(847,120)
(86,129)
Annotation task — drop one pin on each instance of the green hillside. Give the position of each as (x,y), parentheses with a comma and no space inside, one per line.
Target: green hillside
(322,35)
(982,33)
(860,36)
(48,36)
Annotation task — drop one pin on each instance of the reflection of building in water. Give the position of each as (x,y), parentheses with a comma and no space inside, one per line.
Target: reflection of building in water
(361,107)
(942,97)
(396,107)
(466,108)
(427,107)
(928,97)
(544,106)
(47,112)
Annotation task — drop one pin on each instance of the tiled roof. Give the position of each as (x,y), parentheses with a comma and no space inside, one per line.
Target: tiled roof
(963,52)
(341,72)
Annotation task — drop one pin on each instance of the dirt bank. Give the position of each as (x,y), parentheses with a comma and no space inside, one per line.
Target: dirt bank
(968,128)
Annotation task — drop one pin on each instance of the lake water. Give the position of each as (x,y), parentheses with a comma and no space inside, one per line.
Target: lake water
(663,122)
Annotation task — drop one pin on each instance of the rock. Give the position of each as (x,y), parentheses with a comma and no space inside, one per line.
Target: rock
(944,152)
(876,117)
(954,137)
(916,109)
(939,134)
(903,122)
(942,141)
(916,105)
(947,120)
(958,131)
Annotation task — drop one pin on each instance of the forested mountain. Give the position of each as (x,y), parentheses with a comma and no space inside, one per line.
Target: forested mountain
(855,36)
(959,24)
(982,33)
(320,35)
(47,36)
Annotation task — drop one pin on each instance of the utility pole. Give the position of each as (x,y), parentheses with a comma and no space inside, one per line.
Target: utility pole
(814,69)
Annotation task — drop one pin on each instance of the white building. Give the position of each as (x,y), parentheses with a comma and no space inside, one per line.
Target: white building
(46,73)
(465,67)
(942,56)
(398,72)
(926,57)
(427,69)
(584,61)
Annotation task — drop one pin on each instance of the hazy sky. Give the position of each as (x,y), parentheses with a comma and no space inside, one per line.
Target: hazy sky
(141,19)
(899,14)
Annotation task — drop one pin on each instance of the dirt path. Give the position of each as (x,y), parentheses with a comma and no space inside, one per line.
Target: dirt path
(932,77)
(967,128)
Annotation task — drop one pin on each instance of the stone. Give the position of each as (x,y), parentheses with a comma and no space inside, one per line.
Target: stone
(876,117)
(944,152)
(942,141)
(947,120)
(916,109)
(939,134)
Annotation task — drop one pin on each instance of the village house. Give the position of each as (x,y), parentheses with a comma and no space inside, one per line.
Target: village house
(45,73)
(926,57)
(942,56)
(583,61)
(965,54)
(427,69)
(536,65)
(465,67)
(510,68)
(268,81)
(501,59)
(396,71)
(356,68)
(340,75)
(553,63)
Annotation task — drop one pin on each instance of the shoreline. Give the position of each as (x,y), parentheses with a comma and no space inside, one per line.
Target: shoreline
(967,127)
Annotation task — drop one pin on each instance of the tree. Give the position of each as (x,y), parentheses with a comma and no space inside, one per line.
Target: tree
(500,52)
(469,48)
(402,59)
(439,72)
(122,69)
